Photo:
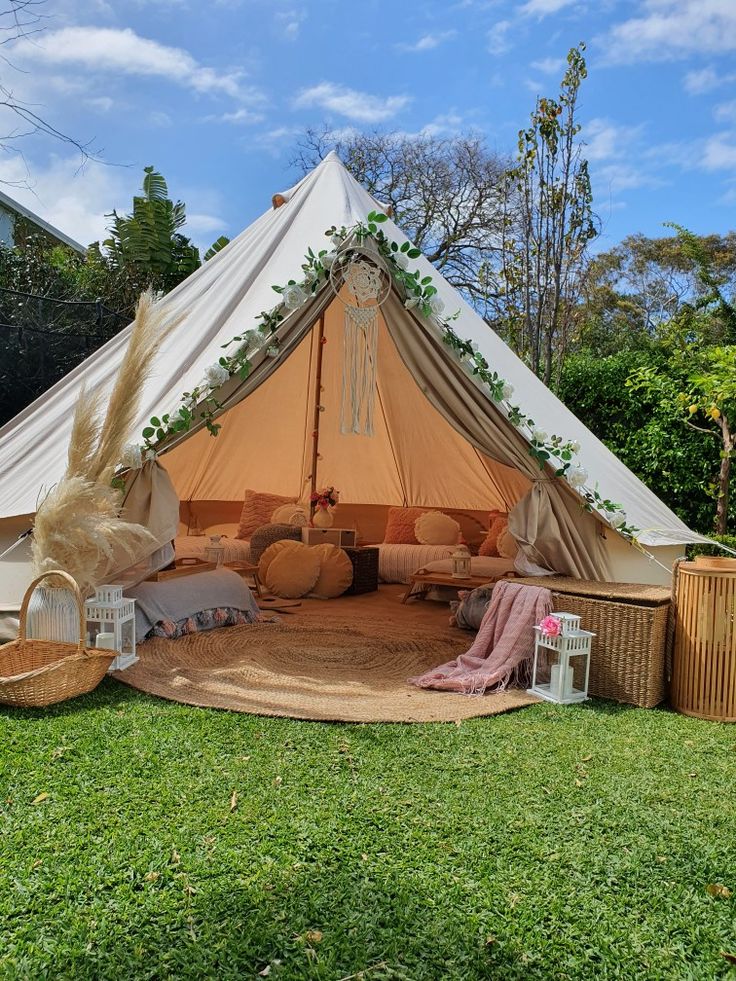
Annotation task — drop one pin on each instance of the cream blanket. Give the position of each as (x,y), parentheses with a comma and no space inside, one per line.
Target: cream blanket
(503,650)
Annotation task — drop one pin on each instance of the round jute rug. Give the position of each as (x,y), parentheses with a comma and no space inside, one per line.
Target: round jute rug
(312,671)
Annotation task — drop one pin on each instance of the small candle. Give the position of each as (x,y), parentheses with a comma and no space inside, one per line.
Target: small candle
(568,689)
(105,641)
(554,680)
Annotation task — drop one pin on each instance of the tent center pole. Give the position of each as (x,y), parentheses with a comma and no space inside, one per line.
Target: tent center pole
(317,402)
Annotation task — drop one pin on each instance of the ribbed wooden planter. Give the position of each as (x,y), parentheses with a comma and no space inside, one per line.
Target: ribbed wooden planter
(704,668)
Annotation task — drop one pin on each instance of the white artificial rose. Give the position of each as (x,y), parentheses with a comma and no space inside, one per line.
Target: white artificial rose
(327,260)
(539,436)
(574,446)
(576,476)
(293,297)
(132,457)
(174,413)
(150,455)
(401,260)
(252,338)
(437,305)
(508,390)
(336,239)
(616,519)
(410,302)
(216,375)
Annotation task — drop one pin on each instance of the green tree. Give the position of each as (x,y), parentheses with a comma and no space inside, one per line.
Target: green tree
(700,375)
(147,244)
(548,225)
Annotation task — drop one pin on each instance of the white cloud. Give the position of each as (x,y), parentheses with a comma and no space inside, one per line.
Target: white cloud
(360,106)
(725,112)
(290,22)
(75,201)
(497,37)
(428,42)
(160,119)
(102,103)
(240,117)
(122,51)
(542,8)
(549,66)
(198,224)
(719,152)
(668,29)
(706,80)
(605,140)
(624,177)
(447,124)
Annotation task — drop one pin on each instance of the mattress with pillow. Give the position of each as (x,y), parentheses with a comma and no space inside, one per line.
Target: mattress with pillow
(396,563)
(193,547)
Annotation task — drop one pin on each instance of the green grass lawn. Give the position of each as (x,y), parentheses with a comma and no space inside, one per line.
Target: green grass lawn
(142,839)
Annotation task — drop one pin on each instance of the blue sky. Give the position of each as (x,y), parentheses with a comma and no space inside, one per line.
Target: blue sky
(215,95)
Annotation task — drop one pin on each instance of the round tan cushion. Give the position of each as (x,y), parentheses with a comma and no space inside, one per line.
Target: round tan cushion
(274,549)
(506,544)
(293,572)
(290,514)
(336,572)
(436,528)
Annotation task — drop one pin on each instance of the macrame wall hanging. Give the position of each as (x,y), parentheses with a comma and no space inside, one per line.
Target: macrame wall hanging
(362,282)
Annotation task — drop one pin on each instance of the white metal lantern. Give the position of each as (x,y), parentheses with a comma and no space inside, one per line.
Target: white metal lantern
(215,551)
(111,624)
(562,662)
(461,568)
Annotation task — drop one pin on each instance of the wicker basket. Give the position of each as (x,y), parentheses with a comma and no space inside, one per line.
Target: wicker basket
(36,673)
(365,570)
(268,534)
(627,661)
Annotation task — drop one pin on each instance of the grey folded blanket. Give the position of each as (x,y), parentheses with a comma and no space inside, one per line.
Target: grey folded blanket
(177,599)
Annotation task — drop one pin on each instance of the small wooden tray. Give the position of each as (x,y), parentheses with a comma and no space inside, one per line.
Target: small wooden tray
(185,567)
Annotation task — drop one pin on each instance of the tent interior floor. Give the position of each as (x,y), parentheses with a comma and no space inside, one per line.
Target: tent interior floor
(346,659)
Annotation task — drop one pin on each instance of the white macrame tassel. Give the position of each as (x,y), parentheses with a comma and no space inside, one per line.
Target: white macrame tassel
(359,370)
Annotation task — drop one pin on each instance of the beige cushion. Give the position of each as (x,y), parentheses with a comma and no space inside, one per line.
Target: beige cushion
(480,565)
(336,572)
(257,510)
(436,528)
(293,572)
(291,514)
(270,553)
(507,547)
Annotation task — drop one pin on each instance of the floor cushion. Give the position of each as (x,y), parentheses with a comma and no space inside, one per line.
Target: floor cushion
(294,571)
(480,565)
(489,545)
(436,528)
(336,572)
(274,549)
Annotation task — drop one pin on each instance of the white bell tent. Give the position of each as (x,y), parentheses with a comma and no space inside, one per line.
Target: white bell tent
(438,437)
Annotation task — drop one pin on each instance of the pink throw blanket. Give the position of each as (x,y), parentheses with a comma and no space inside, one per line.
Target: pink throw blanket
(504,647)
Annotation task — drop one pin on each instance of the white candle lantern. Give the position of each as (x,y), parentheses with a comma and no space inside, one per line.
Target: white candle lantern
(569,656)
(215,551)
(461,568)
(110,613)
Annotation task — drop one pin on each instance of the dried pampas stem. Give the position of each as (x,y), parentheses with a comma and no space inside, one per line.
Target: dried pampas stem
(78,526)
(150,329)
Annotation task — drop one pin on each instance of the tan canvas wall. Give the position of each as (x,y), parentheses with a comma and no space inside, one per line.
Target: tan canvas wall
(414,456)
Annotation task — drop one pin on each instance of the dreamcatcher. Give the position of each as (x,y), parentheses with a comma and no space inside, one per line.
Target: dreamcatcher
(362,282)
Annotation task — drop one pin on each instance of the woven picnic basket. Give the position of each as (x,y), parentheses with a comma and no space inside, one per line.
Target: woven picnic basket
(35,673)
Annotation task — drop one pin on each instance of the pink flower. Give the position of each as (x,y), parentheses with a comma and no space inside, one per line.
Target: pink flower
(551,627)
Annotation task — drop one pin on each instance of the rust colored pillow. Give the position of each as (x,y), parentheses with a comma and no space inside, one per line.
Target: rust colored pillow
(400,525)
(489,546)
(257,511)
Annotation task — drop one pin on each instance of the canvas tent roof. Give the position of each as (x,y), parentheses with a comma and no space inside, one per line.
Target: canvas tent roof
(224,297)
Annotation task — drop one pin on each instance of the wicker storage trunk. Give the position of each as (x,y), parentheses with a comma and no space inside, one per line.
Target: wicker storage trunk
(365,570)
(630,622)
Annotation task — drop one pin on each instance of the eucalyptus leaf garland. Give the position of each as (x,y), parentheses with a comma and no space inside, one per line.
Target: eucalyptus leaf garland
(421,297)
